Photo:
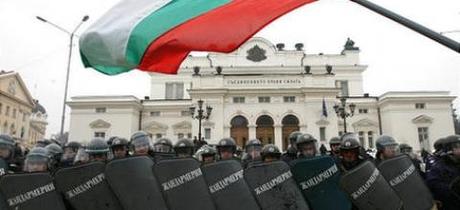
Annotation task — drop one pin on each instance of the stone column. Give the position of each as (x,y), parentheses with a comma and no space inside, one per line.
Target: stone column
(252,131)
(279,136)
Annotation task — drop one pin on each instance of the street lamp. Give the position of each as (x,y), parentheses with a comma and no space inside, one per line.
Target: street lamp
(71,34)
(200,114)
(341,111)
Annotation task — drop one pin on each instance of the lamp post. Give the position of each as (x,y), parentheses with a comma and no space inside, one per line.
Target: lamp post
(71,34)
(341,111)
(200,114)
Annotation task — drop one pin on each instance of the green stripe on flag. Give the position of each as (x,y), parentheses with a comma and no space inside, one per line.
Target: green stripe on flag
(163,20)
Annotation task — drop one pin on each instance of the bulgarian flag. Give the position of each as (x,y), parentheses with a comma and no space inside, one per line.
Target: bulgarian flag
(157,35)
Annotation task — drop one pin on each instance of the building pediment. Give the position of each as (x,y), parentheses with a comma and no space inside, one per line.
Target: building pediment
(422,119)
(365,123)
(99,124)
(154,125)
(12,85)
(322,122)
(182,125)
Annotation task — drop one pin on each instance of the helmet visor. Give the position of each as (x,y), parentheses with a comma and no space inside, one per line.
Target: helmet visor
(162,148)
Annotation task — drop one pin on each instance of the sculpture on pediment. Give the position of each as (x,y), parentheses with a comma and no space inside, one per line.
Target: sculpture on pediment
(256,54)
(350,45)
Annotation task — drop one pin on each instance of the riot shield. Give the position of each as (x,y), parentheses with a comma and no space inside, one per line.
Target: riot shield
(404,178)
(183,184)
(157,156)
(227,185)
(455,187)
(3,167)
(318,178)
(30,191)
(273,186)
(133,182)
(85,187)
(368,190)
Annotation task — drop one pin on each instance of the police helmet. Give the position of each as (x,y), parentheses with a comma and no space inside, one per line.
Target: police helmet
(97,146)
(54,150)
(405,148)
(385,141)
(305,139)
(38,154)
(119,142)
(293,137)
(73,145)
(6,141)
(253,144)
(270,150)
(334,140)
(451,142)
(227,143)
(349,141)
(140,138)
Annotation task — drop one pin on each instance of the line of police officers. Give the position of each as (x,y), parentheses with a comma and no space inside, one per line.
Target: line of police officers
(441,169)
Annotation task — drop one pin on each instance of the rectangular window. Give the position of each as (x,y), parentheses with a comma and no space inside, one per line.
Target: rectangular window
(1,108)
(361,138)
(185,113)
(174,90)
(189,135)
(322,133)
(370,139)
(343,85)
(155,114)
(238,100)
(289,99)
(158,135)
(207,133)
(363,111)
(420,105)
(340,133)
(423,136)
(101,109)
(99,134)
(264,99)
(180,135)
(14,113)
(7,112)
(24,116)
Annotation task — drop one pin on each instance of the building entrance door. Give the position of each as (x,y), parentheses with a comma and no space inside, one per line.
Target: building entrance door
(239,130)
(265,131)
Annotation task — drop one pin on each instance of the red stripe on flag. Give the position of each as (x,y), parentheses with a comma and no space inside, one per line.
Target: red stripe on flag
(221,30)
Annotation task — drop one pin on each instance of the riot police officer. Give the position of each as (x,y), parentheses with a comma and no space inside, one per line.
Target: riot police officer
(350,152)
(334,144)
(6,153)
(270,153)
(42,143)
(407,149)
(306,146)
(37,160)
(119,148)
(81,157)
(206,154)
(140,143)
(70,151)
(55,151)
(226,149)
(291,152)
(163,145)
(97,150)
(387,148)
(184,148)
(252,149)
(444,173)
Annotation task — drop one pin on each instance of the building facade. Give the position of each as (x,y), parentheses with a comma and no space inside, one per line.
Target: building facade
(265,91)
(18,110)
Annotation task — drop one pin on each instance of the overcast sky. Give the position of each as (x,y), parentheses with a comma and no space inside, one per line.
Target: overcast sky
(398,58)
